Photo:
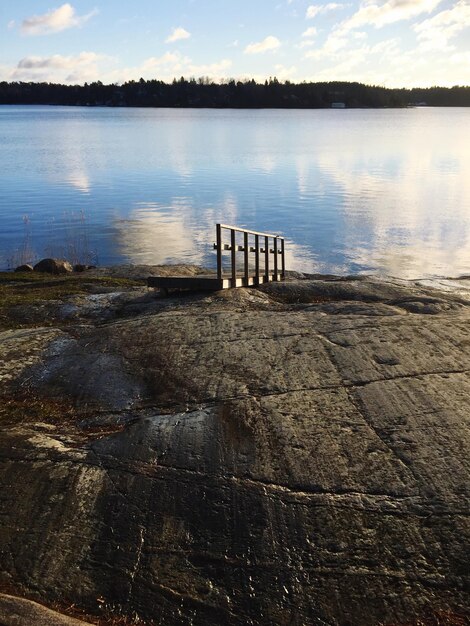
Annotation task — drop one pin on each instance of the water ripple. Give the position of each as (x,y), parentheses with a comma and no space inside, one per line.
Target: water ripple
(359,191)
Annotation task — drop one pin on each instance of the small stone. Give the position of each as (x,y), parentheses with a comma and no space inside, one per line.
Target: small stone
(26,267)
(386,359)
(53,266)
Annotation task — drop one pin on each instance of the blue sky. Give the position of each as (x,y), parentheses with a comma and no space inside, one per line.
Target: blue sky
(387,42)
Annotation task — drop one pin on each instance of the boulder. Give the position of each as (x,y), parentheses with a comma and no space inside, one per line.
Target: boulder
(26,267)
(83,267)
(53,266)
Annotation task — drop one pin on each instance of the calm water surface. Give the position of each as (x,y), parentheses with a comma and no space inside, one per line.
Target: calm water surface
(353,191)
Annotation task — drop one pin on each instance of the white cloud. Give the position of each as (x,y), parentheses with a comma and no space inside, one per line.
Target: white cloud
(55,21)
(169,66)
(461,57)
(316,9)
(359,35)
(343,57)
(378,15)
(305,43)
(177,35)
(57,61)
(175,64)
(340,58)
(212,70)
(310,32)
(435,32)
(173,60)
(285,73)
(58,68)
(269,43)
(11,24)
(337,40)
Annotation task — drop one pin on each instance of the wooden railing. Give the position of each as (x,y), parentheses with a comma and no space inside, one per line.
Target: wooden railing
(260,245)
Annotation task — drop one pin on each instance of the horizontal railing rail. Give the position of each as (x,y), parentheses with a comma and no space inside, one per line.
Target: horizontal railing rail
(250,232)
(256,243)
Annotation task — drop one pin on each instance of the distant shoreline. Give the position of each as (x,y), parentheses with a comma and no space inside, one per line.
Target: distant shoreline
(228,108)
(203,93)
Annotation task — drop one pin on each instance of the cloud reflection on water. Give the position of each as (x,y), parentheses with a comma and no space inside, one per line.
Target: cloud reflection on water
(352,191)
(156,235)
(395,221)
(79,179)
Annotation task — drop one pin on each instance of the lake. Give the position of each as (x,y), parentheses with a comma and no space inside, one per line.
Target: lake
(353,191)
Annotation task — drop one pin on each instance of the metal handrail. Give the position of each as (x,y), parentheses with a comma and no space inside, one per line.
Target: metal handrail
(250,232)
(277,249)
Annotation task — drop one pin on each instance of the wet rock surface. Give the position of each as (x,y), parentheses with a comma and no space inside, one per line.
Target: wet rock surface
(296,454)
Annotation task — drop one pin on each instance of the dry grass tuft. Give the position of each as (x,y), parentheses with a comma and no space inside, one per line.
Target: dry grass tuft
(31,288)
(27,409)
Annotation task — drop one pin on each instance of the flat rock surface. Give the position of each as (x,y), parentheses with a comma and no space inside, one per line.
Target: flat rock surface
(297,454)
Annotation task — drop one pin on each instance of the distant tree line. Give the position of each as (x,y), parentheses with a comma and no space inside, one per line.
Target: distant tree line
(229,94)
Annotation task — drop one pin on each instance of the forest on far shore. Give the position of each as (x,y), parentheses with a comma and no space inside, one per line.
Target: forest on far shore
(203,92)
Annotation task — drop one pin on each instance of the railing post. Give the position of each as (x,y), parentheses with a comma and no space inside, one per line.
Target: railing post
(283,260)
(234,258)
(218,230)
(266,258)
(246,251)
(257,258)
(275,258)
(278,273)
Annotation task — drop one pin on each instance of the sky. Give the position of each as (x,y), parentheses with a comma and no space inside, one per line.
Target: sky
(393,43)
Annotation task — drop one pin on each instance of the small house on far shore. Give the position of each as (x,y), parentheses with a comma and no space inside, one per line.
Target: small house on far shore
(338,105)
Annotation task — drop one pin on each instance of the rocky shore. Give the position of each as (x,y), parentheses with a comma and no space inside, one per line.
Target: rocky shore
(295,454)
